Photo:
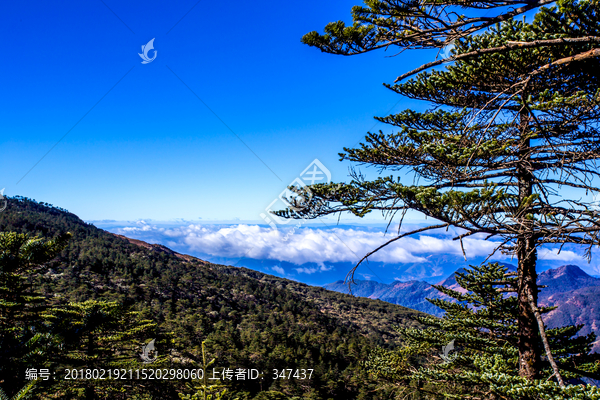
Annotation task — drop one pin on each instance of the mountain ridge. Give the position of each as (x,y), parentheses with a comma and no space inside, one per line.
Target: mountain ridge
(574,292)
(247,319)
(565,278)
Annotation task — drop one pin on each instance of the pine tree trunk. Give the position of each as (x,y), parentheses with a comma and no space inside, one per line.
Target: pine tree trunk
(529,355)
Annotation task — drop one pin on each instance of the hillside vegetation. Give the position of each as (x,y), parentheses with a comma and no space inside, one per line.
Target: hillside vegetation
(247,319)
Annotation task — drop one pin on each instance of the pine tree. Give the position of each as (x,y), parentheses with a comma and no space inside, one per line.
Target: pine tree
(472,352)
(96,332)
(23,394)
(516,120)
(99,334)
(201,389)
(422,24)
(35,333)
(21,342)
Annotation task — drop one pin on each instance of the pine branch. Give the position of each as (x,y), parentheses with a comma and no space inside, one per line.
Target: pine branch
(566,60)
(542,329)
(350,275)
(511,46)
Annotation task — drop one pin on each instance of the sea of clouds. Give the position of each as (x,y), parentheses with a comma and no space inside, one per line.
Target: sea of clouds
(316,245)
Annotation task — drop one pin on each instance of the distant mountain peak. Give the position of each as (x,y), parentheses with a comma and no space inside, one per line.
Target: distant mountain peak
(569,269)
(565,278)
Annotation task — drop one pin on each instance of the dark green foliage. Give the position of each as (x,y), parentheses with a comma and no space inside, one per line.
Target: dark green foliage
(481,362)
(202,390)
(97,334)
(514,119)
(21,341)
(247,319)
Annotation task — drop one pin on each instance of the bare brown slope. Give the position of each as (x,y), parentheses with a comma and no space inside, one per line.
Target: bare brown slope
(162,249)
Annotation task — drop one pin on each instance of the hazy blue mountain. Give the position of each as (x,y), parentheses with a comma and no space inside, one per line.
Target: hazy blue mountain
(574,292)
(412,294)
(361,289)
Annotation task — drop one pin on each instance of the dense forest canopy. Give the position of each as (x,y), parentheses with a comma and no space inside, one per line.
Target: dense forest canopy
(246,319)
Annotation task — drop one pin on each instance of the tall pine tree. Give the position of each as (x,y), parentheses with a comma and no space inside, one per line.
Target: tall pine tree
(511,128)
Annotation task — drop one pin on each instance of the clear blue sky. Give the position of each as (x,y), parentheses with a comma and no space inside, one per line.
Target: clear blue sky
(149,148)
(140,145)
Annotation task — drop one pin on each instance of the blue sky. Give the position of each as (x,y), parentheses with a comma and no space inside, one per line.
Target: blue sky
(231,111)
(149,148)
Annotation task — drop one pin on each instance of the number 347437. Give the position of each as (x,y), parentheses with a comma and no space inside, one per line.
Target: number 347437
(289,373)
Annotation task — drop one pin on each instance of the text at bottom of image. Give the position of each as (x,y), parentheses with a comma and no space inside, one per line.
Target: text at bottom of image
(239,374)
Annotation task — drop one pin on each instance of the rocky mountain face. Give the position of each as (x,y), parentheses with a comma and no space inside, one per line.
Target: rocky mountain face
(565,279)
(576,296)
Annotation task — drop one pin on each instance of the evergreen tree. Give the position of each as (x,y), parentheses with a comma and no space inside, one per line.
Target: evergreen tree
(516,120)
(96,331)
(21,342)
(35,334)
(202,390)
(98,334)
(24,393)
(423,24)
(472,352)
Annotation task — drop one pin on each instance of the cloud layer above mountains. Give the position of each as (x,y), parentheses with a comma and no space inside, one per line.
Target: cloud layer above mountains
(313,245)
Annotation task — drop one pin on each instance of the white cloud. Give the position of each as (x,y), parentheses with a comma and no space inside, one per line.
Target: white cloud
(319,246)
(133,229)
(279,270)
(306,270)
(552,254)
(322,268)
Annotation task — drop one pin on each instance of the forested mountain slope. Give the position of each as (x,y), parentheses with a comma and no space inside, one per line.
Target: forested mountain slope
(249,319)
